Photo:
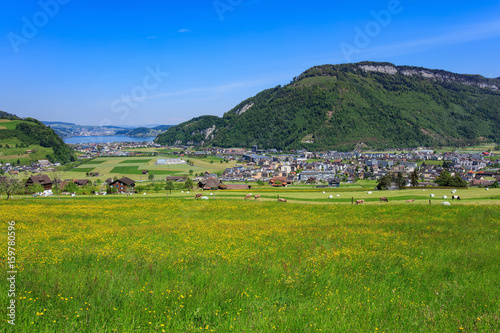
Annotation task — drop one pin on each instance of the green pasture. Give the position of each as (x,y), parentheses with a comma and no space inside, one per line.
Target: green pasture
(143,264)
(109,167)
(12,154)
(9,124)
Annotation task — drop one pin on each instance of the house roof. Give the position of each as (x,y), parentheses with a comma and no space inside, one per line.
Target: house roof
(125,180)
(81,182)
(237,187)
(209,183)
(40,179)
(175,178)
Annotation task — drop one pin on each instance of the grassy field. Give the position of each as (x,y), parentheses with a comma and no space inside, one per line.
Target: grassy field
(310,195)
(471,149)
(157,265)
(132,167)
(13,154)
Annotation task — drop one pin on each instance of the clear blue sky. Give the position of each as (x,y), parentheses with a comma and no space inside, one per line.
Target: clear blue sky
(78,61)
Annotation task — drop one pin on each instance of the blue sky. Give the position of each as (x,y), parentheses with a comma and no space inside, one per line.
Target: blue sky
(164,62)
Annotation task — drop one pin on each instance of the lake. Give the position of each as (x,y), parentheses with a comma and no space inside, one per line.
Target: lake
(105,139)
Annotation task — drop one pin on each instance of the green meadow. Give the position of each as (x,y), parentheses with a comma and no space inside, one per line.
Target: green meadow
(142,264)
(132,167)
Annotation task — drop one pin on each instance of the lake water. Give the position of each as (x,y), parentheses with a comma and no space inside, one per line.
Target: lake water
(105,139)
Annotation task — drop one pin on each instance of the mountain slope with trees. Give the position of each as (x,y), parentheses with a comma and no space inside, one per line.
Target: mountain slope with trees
(341,106)
(28,131)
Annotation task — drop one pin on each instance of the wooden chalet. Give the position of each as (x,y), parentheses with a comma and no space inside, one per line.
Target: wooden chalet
(123,185)
(211,184)
(42,180)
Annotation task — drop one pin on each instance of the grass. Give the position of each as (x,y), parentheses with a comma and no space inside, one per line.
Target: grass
(132,167)
(10,124)
(153,265)
(132,161)
(82,170)
(95,161)
(12,154)
(134,170)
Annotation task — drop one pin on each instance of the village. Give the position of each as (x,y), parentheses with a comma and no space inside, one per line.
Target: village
(271,167)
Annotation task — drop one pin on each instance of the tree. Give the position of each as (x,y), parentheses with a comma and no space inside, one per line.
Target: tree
(157,187)
(110,190)
(18,162)
(36,188)
(457,181)
(384,182)
(260,182)
(169,186)
(57,175)
(495,184)
(191,172)
(400,180)
(151,176)
(212,162)
(414,178)
(189,184)
(71,187)
(10,186)
(444,179)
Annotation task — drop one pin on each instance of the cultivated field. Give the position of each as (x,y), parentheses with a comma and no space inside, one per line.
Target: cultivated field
(132,167)
(157,265)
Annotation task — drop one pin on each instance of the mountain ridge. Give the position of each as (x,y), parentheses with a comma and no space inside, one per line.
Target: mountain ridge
(341,106)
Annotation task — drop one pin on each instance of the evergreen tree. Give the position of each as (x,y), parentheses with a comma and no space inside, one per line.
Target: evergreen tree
(444,179)
(414,178)
(384,182)
(400,180)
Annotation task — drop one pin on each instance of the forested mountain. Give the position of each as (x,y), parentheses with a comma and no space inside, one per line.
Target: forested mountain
(340,106)
(142,132)
(29,131)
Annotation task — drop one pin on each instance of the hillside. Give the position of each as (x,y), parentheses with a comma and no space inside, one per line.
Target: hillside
(143,132)
(17,136)
(340,106)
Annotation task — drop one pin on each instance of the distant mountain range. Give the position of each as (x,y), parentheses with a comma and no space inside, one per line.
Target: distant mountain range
(67,130)
(364,104)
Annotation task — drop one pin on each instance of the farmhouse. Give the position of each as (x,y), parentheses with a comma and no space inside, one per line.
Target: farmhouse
(42,180)
(238,187)
(176,178)
(123,185)
(81,182)
(211,183)
(279,181)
